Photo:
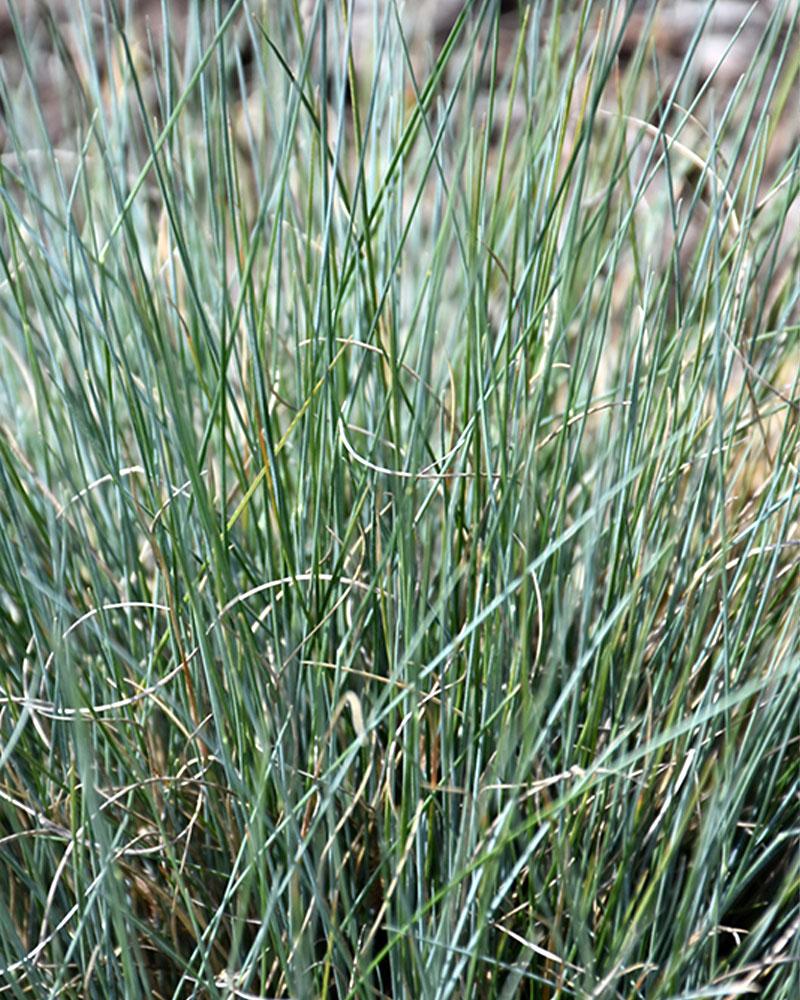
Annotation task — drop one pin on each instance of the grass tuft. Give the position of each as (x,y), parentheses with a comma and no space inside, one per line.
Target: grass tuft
(399,582)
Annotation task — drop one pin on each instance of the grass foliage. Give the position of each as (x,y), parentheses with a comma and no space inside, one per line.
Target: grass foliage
(399,574)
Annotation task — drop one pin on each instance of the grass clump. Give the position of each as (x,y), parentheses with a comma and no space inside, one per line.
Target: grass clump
(399,579)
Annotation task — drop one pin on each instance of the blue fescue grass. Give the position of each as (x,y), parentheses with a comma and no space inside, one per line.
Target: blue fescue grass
(400,496)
